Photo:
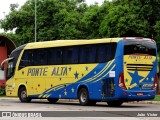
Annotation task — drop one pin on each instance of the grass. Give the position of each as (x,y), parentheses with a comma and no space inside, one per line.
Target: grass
(157,98)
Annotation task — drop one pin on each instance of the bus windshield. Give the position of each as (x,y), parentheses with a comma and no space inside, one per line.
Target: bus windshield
(139,47)
(10,70)
(12,63)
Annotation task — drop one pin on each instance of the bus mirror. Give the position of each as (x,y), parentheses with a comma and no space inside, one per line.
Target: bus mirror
(2,76)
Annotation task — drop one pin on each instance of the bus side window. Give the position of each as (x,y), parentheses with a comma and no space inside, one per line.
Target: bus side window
(31,58)
(87,54)
(108,52)
(52,56)
(113,50)
(70,55)
(75,55)
(41,57)
(92,54)
(101,53)
(59,56)
(25,60)
(67,55)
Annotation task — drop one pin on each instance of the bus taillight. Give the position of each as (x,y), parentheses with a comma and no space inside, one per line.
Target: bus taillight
(121,81)
(155,82)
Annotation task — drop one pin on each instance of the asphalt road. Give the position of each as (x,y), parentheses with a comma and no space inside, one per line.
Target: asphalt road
(74,109)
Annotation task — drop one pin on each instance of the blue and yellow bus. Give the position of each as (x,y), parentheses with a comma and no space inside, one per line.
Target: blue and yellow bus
(113,70)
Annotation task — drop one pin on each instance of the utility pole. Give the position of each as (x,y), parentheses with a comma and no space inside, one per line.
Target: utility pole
(4,14)
(35,21)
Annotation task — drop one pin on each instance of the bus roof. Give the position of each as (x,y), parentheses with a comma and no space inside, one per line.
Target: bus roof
(57,43)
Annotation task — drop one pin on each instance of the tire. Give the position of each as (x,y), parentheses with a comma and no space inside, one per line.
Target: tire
(22,94)
(114,103)
(52,100)
(83,97)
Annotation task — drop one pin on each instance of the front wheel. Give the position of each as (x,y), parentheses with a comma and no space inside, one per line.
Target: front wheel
(22,94)
(114,103)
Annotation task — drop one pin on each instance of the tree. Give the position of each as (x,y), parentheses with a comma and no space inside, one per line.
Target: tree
(73,19)
(56,19)
(123,21)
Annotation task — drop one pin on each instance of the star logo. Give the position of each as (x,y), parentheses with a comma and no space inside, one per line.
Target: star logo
(76,75)
(152,79)
(86,68)
(103,95)
(135,77)
(72,90)
(60,96)
(65,93)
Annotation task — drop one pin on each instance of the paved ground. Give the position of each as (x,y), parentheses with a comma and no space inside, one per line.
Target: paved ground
(13,104)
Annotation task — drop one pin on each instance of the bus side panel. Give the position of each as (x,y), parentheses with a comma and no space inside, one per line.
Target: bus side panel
(119,68)
(107,87)
(100,79)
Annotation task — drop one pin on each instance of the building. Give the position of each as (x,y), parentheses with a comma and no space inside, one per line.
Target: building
(6,47)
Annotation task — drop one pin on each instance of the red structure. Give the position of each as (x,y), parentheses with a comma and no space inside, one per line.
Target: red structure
(6,47)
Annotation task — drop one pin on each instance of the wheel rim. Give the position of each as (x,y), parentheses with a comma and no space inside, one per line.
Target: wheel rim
(23,95)
(83,96)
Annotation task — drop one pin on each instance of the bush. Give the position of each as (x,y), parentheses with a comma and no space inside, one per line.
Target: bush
(2,90)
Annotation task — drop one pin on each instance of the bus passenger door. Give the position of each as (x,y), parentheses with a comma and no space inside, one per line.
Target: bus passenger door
(108,88)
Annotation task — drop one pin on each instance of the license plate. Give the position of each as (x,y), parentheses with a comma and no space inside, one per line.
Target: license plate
(139,94)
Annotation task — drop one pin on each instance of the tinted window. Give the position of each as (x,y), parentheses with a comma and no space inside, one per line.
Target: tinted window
(58,56)
(106,52)
(98,53)
(70,55)
(27,59)
(139,47)
(88,54)
(41,57)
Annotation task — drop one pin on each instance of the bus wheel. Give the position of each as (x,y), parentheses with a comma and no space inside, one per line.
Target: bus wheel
(22,94)
(114,103)
(52,100)
(83,97)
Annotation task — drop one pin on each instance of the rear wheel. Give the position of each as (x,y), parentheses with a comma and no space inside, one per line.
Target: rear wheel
(83,97)
(114,103)
(52,100)
(22,94)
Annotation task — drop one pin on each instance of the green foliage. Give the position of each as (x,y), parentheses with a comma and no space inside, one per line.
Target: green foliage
(124,23)
(73,19)
(2,91)
(157,98)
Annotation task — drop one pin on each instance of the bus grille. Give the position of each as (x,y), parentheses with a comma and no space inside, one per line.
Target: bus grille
(140,67)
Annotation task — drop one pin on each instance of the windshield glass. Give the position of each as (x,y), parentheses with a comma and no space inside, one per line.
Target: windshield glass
(139,47)
(10,70)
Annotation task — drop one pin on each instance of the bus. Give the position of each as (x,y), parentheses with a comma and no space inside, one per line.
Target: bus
(112,70)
